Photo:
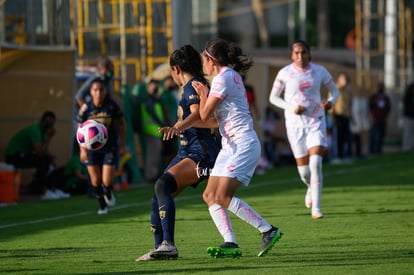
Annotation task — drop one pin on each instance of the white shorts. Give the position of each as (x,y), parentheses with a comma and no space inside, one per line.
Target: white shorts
(302,139)
(238,159)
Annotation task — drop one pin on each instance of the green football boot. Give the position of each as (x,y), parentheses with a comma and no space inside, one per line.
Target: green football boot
(226,250)
(269,239)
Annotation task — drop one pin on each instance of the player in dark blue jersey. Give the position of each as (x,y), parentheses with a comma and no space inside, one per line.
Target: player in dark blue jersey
(102,164)
(196,155)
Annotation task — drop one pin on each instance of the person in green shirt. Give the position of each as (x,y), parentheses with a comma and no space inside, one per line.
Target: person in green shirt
(152,118)
(29,148)
(76,175)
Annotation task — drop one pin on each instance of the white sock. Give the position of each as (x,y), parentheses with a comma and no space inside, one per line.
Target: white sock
(242,210)
(316,178)
(304,173)
(221,219)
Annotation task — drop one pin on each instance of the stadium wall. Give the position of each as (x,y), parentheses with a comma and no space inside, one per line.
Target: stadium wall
(33,80)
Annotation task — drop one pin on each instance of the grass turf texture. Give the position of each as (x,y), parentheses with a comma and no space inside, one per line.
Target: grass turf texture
(367,229)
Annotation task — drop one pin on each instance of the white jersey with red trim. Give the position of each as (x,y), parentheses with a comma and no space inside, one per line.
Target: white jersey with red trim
(232,113)
(302,87)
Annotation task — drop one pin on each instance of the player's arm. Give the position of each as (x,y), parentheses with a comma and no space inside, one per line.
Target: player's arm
(276,99)
(80,101)
(83,91)
(190,121)
(193,120)
(207,103)
(209,123)
(42,149)
(83,156)
(334,94)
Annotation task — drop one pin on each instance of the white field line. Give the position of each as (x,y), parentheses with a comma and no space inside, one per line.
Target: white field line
(188,197)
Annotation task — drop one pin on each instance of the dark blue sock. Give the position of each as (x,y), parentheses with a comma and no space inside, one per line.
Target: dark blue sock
(164,186)
(167,215)
(99,196)
(156,227)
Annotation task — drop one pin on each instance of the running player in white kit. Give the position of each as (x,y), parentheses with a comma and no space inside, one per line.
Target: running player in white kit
(305,117)
(240,153)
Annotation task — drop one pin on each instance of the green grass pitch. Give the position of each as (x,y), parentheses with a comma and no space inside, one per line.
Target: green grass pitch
(368,228)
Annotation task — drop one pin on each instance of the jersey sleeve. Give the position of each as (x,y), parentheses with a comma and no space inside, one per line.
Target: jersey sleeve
(84,89)
(327,80)
(218,87)
(275,97)
(82,113)
(326,77)
(190,95)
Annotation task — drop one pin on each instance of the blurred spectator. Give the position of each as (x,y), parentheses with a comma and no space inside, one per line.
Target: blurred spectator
(139,95)
(341,112)
(168,100)
(105,70)
(29,148)
(76,175)
(251,99)
(379,109)
(331,144)
(73,177)
(152,119)
(173,89)
(270,140)
(359,123)
(408,115)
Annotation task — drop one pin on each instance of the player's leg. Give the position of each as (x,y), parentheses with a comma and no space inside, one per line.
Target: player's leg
(156,229)
(214,194)
(111,160)
(229,248)
(95,175)
(297,141)
(217,195)
(304,174)
(211,197)
(315,165)
(317,144)
(178,176)
(163,188)
(246,159)
(270,234)
(108,172)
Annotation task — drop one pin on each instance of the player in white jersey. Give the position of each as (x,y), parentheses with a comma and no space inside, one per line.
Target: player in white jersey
(305,117)
(240,153)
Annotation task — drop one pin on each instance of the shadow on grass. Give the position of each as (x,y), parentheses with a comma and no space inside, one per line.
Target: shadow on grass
(391,169)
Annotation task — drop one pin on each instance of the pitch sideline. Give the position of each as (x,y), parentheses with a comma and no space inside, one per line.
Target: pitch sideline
(182,198)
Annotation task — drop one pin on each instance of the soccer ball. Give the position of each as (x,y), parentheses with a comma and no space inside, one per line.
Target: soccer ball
(92,135)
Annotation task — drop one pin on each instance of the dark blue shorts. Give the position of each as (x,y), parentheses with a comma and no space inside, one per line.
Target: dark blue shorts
(104,157)
(204,161)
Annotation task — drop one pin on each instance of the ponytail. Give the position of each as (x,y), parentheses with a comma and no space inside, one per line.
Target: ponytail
(228,54)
